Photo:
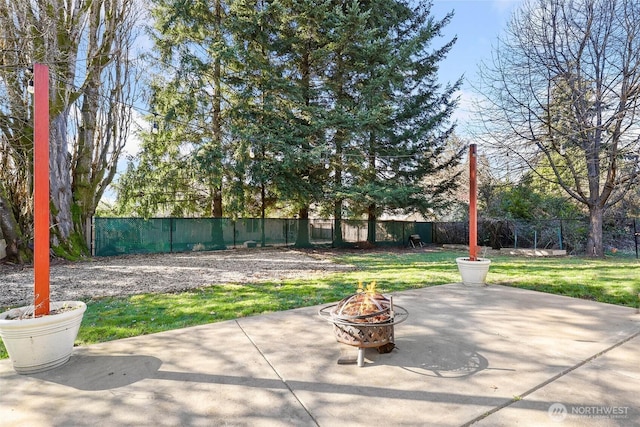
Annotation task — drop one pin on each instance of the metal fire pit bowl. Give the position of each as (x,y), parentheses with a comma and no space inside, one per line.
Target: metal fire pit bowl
(365,331)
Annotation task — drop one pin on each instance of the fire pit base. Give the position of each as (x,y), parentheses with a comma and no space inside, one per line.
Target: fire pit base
(364,335)
(360,357)
(350,360)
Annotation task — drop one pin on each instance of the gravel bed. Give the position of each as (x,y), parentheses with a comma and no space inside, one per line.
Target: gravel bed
(162,273)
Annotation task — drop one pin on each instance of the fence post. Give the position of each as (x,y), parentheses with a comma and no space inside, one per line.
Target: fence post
(434,232)
(403,235)
(560,235)
(92,236)
(635,236)
(333,236)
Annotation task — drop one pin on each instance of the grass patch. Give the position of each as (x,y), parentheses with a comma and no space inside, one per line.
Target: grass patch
(612,280)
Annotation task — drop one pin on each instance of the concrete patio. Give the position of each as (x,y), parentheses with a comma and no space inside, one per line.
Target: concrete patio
(485,356)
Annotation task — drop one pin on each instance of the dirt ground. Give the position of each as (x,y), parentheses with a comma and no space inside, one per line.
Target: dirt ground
(136,274)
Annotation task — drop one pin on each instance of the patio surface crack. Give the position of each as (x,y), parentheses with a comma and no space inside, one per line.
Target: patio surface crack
(552,379)
(293,393)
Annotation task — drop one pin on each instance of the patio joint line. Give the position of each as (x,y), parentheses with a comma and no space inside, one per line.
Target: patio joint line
(273,368)
(552,379)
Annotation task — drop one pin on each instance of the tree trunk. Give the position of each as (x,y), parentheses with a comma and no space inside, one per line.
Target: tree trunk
(218,236)
(262,215)
(595,246)
(337,209)
(337,224)
(371,224)
(371,209)
(217,232)
(60,182)
(82,187)
(302,239)
(10,230)
(337,183)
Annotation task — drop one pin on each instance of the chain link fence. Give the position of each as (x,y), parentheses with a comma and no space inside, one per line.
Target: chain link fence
(564,234)
(569,235)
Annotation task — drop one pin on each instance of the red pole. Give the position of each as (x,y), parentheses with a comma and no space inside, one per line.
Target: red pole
(473,202)
(41,188)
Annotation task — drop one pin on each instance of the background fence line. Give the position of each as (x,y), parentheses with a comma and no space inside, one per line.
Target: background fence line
(117,236)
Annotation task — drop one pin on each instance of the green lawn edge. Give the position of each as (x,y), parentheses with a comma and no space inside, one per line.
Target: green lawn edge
(612,280)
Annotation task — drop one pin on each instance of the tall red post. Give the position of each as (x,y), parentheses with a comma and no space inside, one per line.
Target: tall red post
(41,188)
(473,204)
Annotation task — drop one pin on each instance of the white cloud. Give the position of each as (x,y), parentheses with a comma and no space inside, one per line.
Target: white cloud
(505,6)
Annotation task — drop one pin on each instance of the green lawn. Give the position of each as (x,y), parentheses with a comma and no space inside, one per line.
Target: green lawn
(614,280)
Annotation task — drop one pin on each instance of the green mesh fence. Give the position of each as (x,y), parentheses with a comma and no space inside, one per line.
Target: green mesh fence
(117,236)
(120,236)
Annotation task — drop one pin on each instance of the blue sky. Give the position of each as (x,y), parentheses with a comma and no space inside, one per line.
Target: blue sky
(477,23)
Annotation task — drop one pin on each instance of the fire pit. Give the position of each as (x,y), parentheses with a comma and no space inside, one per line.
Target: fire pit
(365,320)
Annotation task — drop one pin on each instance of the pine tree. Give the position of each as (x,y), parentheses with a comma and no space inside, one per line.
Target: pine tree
(261,114)
(301,105)
(403,135)
(303,31)
(182,169)
(344,76)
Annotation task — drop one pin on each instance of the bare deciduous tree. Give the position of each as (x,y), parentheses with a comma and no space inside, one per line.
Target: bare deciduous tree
(87,46)
(563,91)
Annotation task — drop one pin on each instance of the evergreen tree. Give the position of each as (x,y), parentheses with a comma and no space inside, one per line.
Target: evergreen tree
(301,105)
(404,134)
(304,39)
(261,115)
(344,76)
(182,169)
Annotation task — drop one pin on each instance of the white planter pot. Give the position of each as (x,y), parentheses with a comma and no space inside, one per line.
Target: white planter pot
(41,343)
(474,273)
